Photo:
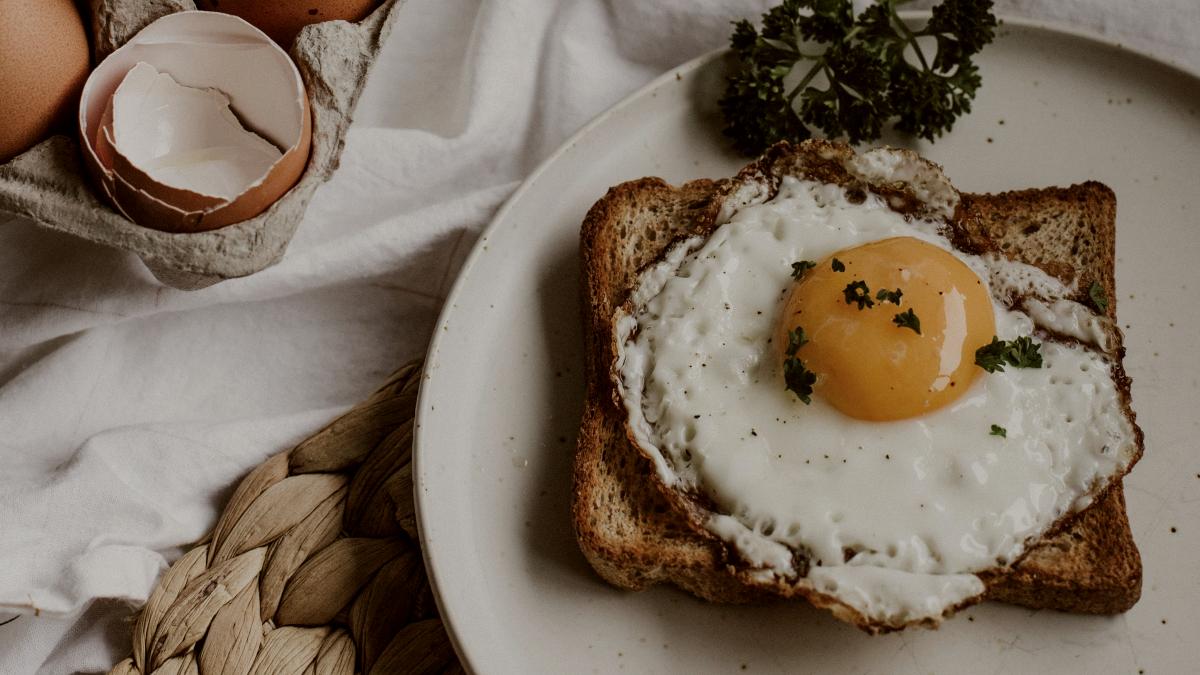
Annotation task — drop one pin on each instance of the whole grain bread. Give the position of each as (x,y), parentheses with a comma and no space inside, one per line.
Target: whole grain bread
(636,532)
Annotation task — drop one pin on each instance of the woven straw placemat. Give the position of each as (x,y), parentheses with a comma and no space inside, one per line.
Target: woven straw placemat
(313,567)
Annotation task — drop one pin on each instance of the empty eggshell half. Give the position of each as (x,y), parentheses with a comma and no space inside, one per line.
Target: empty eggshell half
(198,122)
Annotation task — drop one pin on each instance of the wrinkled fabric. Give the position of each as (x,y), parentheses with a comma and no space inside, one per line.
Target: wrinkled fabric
(128,410)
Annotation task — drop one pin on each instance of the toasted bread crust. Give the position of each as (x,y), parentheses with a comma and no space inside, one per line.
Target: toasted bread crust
(1092,567)
(636,532)
(639,543)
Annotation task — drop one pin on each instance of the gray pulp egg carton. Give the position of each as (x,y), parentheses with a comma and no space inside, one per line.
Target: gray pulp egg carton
(48,184)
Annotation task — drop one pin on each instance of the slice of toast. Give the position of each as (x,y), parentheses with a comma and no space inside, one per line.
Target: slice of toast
(635,535)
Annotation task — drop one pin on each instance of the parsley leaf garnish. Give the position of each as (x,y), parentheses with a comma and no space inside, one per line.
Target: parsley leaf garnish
(889,296)
(816,65)
(856,292)
(1099,298)
(908,320)
(1000,431)
(800,267)
(1023,353)
(799,379)
(1020,353)
(837,265)
(990,357)
(796,340)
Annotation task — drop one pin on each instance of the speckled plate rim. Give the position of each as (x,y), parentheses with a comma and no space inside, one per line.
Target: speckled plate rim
(431,519)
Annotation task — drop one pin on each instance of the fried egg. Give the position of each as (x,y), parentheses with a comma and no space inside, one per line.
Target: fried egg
(910,469)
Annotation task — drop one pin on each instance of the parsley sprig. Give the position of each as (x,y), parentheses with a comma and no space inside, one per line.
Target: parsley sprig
(1019,353)
(796,340)
(797,378)
(998,430)
(800,267)
(815,64)
(908,320)
(856,292)
(884,295)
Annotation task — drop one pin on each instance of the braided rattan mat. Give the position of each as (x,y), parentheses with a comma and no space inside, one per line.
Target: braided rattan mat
(313,567)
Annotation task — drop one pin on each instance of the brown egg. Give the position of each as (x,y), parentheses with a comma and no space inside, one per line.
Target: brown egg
(43,64)
(283,20)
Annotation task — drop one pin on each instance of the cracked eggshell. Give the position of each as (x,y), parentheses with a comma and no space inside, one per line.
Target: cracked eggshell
(200,51)
(188,139)
(283,20)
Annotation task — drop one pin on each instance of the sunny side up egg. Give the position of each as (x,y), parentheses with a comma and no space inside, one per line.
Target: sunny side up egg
(891,481)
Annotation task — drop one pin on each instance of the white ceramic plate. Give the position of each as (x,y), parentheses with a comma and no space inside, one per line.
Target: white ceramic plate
(501,403)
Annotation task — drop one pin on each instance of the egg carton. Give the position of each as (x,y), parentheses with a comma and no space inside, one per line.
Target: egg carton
(48,184)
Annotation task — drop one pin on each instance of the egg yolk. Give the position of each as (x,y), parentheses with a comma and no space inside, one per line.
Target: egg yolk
(871,363)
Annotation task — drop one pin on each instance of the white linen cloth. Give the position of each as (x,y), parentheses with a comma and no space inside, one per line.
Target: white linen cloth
(129,410)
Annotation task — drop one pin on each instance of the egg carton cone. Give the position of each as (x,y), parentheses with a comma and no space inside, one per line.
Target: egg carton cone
(49,183)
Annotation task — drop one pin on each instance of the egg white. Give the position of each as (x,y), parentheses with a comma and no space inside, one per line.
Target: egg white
(893,516)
